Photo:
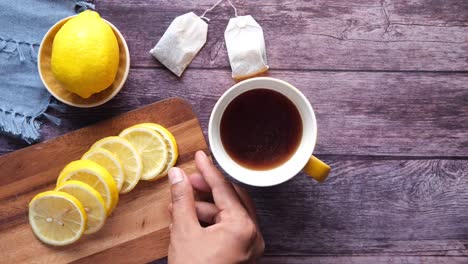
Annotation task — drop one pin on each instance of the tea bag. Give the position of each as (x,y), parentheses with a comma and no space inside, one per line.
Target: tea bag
(246,47)
(180,43)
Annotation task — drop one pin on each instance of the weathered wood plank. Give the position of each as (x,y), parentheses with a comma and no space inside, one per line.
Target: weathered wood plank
(392,207)
(401,207)
(364,260)
(354,260)
(358,113)
(369,205)
(417,114)
(352,35)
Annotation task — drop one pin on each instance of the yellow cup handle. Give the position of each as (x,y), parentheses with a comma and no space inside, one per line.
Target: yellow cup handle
(317,169)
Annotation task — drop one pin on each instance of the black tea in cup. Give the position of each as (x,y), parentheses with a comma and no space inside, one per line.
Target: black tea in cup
(261,129)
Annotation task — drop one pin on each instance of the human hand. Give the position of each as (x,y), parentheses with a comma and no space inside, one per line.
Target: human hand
(232,237)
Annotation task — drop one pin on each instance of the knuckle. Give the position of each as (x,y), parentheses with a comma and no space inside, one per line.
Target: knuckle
(249,230)
(222,216)
(178,196)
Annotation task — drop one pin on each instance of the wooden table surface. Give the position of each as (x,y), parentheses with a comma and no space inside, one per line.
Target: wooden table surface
(389,83)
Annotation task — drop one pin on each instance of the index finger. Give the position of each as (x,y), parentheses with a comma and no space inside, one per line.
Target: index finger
(224,195)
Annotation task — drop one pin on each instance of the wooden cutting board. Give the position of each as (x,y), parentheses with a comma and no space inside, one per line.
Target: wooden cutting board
(136,232)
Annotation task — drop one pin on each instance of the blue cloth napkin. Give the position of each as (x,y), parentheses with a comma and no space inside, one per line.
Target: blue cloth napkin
(23,98)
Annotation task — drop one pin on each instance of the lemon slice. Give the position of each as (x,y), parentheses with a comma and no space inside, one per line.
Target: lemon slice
(93,204)
(151,147)
(57,218)
(169,139)
(109,161)
(95,176)
(128,156)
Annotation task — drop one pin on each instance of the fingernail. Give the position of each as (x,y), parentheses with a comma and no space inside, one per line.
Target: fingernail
(203,153)
(175,175)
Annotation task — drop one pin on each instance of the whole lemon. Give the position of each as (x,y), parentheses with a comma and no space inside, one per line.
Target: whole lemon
(85,54)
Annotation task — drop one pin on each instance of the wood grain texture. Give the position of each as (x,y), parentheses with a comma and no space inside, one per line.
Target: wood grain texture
(358,113)
(388,80)
(354,260)
(354,35)
(138,223)
(369,206)
(403,114)
(364,260)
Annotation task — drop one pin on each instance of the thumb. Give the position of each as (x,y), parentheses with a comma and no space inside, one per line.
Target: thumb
(184,216)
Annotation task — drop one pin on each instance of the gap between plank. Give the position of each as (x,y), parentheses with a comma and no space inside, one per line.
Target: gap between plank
(389,157)
(309,70)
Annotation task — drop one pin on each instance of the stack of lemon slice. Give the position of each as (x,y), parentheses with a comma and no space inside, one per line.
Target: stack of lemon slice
(88,189)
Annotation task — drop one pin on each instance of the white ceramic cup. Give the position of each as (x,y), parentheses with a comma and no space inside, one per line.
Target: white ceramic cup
(301,159)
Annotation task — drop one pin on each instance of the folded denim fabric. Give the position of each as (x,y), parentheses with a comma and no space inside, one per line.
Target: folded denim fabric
(23,98)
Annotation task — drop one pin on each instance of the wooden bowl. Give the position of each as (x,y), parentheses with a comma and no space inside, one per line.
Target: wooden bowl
(63,95)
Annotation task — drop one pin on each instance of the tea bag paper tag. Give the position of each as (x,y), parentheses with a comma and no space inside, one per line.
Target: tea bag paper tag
(246,47)
(180,43)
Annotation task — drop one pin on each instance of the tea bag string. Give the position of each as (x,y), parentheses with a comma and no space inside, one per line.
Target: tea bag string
(215,5)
